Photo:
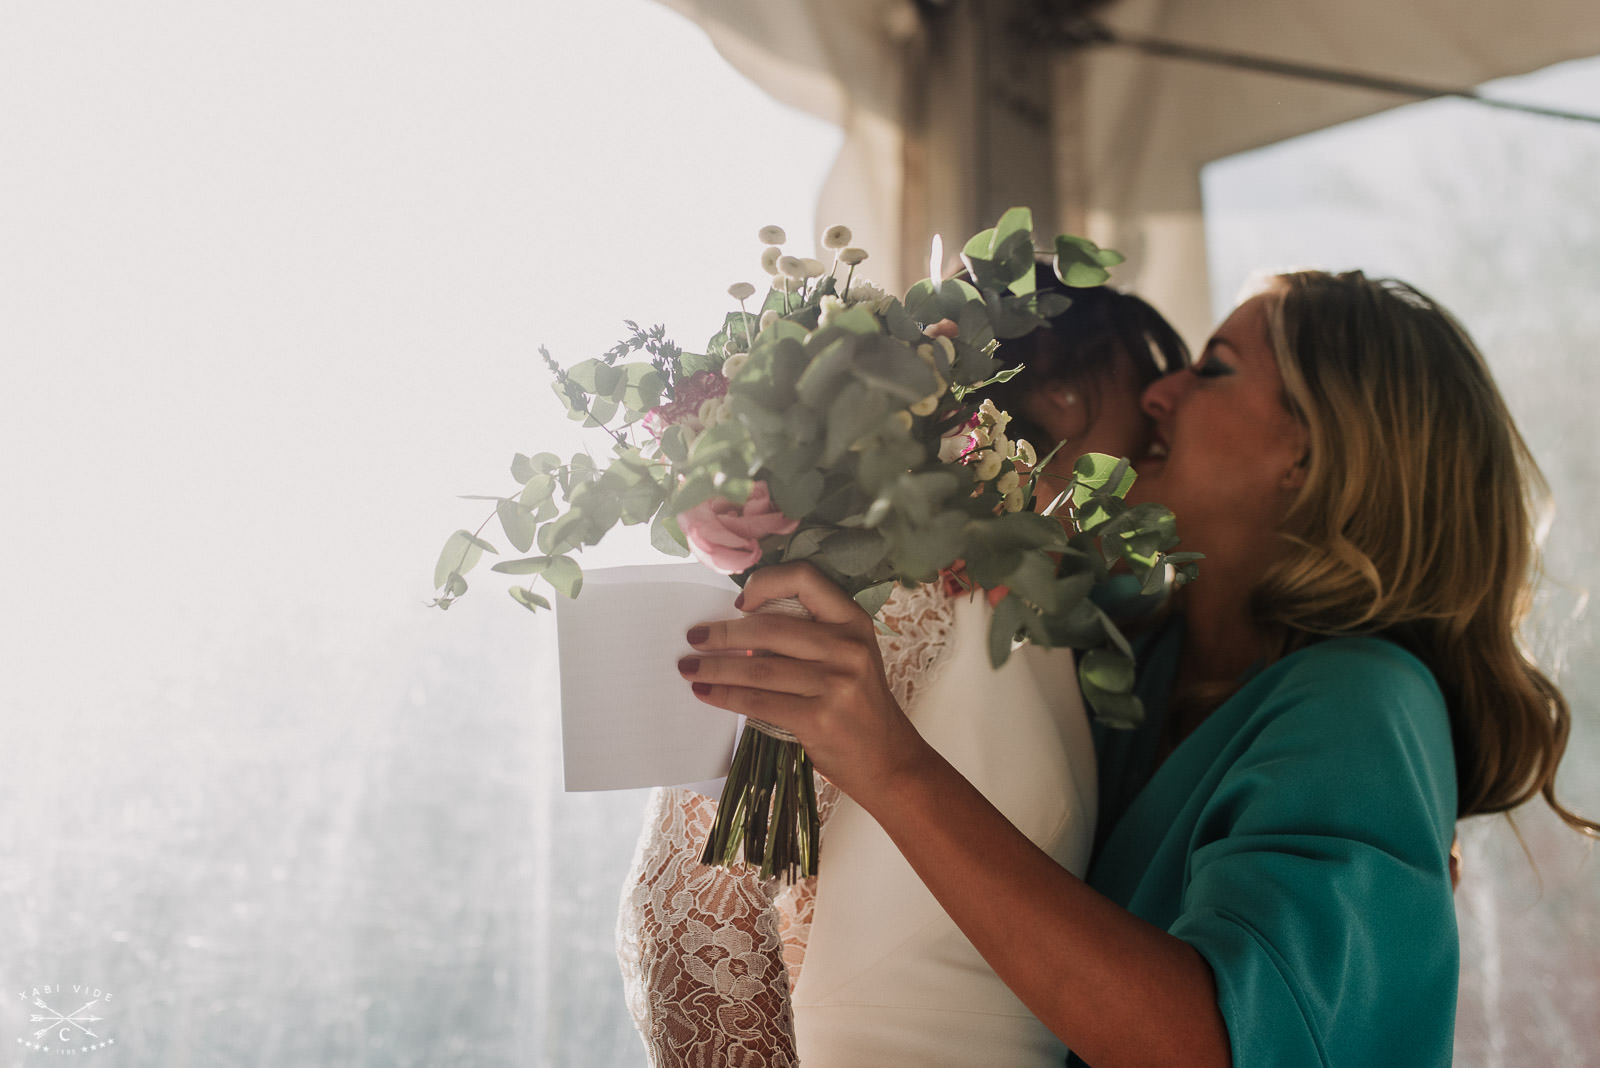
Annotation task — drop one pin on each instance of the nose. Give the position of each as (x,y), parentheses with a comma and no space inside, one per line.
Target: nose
(1162,395)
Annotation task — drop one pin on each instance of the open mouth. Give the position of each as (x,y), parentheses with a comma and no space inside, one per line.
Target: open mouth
(1157,450)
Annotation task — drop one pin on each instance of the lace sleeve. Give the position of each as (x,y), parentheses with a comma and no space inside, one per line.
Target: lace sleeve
(700,948)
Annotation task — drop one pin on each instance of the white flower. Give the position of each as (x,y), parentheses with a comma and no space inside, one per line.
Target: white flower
(904,418)
(792,267)
(1014,501)
(1024,454)
(773,235)
(866,293)
(993,416)
(852,256)
(927,405)
(980,436)
(734,364)
(769,259)
(813,268)
(988,465)
(1001,445)
(836,237)
(953,447)
(1008,481)
(769,318)
(741,291)
(828,307)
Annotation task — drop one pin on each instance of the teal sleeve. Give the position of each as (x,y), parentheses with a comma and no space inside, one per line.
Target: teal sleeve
(1318,886)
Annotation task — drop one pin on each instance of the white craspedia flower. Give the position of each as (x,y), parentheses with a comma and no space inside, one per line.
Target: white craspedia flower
(791,267)
(828,307)
(1024,453)
(734,364)
(1013,500)
(769,258)
(1008,481)
(948,346)
(1001,444)
(772,235)
(852,256)
(769,319)
(927,405)
(741,291)
(813,268)
(993,416)
(988,465)
(980,437)
(836,237)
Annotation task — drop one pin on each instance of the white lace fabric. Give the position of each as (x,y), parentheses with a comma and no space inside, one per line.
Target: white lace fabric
(710,956)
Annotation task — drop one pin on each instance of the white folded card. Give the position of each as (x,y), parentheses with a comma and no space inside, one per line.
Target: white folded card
(628,719)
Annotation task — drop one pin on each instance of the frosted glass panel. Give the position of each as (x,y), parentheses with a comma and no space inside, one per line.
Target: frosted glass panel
(272,283)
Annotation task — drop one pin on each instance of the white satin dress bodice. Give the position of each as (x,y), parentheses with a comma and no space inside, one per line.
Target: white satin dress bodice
(888,977)
(860,965)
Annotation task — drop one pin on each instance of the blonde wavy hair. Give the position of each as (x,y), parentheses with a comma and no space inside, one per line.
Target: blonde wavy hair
(1416,519)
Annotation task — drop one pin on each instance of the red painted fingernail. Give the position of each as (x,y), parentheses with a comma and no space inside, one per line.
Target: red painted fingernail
(697,635)
(688,665)
(700,688)
(738,602)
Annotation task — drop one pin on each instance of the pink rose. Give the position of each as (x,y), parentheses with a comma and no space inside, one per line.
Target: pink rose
(727,536)
(699,388)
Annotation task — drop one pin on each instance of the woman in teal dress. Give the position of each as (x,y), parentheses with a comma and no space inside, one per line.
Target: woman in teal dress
(1340,686)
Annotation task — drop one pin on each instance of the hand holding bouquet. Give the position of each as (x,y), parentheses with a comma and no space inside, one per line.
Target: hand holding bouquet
(826,425)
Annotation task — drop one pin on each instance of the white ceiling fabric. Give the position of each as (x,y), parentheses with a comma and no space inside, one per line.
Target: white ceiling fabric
(949,120)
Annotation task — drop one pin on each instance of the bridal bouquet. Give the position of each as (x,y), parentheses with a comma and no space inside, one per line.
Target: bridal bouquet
(825,424)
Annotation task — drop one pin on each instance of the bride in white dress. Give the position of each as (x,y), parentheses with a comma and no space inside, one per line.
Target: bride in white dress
(859,965)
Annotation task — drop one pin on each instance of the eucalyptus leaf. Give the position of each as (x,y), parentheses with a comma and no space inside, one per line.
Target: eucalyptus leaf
(980,245)
(674,443)
(583,374)
(852,415)
(528,599)
(872,598)
(922,303)
(798,495)
(854,552)
(461,553)
(1016,224)
(1006,624)
(666,536)
(1119,711)
(1107,670)
(518,523)
(601,411)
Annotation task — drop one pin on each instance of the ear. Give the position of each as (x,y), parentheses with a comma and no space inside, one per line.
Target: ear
(1296,476)
(1059,398)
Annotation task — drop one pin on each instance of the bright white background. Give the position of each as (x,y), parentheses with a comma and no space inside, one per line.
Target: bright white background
(272,282)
